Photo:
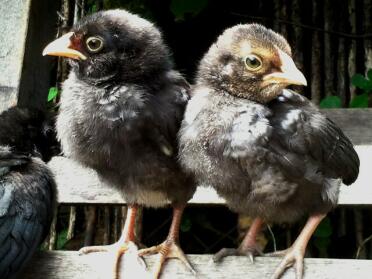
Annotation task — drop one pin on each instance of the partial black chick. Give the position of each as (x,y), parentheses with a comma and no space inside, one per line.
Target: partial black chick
(267,150)
(120,111)
(27,188)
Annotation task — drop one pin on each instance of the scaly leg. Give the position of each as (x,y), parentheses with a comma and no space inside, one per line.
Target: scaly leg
(125,243)
(248,247)
(170,247)
(294,256)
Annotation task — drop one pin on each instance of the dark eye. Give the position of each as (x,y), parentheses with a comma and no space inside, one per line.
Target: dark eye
(253,62)
(94,44)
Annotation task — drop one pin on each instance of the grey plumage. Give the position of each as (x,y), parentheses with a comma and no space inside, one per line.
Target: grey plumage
(121,109)
(27,189)
(269,152)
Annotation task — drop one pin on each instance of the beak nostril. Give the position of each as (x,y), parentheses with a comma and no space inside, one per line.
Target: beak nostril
(62,47)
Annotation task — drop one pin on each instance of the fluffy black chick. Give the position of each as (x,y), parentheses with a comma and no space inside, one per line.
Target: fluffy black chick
(120,111)
(27,188)
(265,149)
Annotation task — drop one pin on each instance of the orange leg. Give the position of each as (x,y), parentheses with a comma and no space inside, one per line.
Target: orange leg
(125,242)
(248,247)
(170,247)
(294,256)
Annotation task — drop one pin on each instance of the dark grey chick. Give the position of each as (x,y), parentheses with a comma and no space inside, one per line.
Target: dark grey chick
(120,111)
(27,188)
(267,150)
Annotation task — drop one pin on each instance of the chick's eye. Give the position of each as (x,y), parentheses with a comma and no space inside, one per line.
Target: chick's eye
(94,44)
(253,62)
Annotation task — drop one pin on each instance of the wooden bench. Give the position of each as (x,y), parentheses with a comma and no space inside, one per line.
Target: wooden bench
(79,185)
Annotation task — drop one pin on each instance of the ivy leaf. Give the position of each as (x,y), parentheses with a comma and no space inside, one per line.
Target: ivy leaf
(369,75)
(324,229)
(180,8)
(61,239)
(53,92)
(361,82)
(322,245)
(186,224)
(360,101)
(331,102)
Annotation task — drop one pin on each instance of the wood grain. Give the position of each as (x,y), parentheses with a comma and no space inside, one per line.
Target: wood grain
(68,264)
(355,123)
(77,185)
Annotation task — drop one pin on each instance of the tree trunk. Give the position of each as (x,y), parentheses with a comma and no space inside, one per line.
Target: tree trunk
(342,73)
(316,56)
(106,225)
(90,219)
(352,51)
(53,232)
(284,15)
(71,223)
(329,49)
(368,29)
(276,26)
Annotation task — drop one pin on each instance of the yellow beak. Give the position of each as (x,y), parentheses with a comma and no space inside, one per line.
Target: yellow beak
(62,47)
(289,73)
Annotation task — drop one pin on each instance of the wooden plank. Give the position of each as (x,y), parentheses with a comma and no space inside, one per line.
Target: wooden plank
(27,26)
(77,184)
(355,123)
(37,70)
(63,265)
(13,22)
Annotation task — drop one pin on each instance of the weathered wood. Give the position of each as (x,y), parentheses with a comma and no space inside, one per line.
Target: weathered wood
(77,185)
(63,265)
(13,21)
(26,28)
(37,70)
(355,123)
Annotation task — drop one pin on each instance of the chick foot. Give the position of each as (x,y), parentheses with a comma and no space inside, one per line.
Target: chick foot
(116,250)
(124,245)
(170,247)
(167,250)
(294,256)
(248,247)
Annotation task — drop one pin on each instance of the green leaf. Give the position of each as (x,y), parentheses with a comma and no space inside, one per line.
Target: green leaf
(331,102)
(324,229)
(360,101)
(186,224)
(61,239)
(322,245)
(180,8)
(361,82)
(369,74)
(53,92)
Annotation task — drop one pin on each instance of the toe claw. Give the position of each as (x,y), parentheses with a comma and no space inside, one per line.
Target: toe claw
(224,252)
(250,255)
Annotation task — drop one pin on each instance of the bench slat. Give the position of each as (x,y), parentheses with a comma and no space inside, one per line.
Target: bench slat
(68,264)
(77,185)
(355,123)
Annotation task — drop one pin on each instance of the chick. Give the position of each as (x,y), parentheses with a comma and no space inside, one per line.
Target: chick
(265,149)
(120,111)
(27,188)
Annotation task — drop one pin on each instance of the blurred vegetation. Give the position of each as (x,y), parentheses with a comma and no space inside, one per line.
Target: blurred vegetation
(363,83)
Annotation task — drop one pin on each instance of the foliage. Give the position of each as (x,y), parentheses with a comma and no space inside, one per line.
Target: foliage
(186,223)
(359,101)
(181,8)
(52,94)
(322,236)
(61,239)
(364,83)
(331,102)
